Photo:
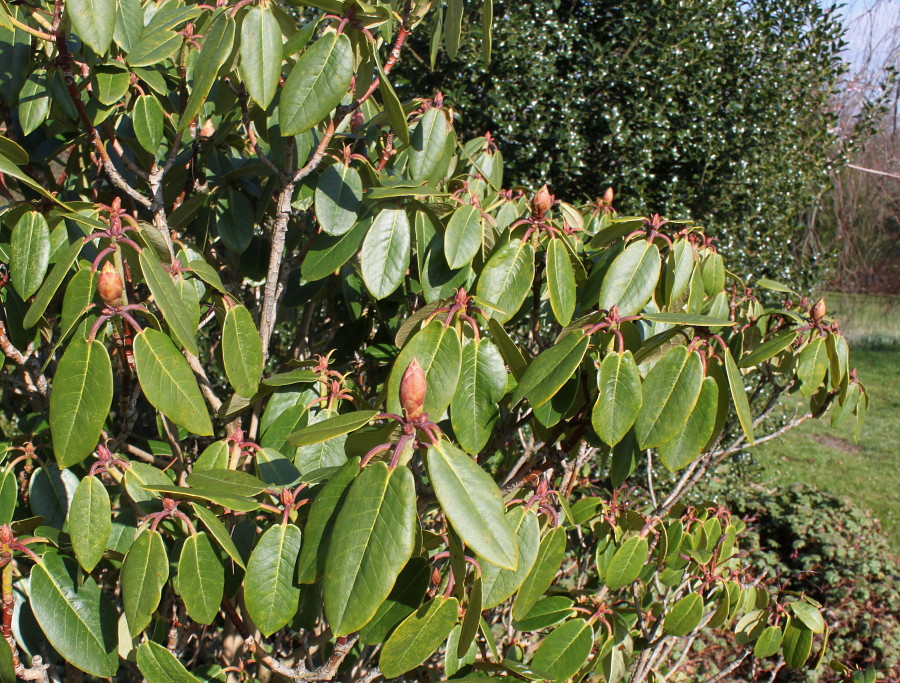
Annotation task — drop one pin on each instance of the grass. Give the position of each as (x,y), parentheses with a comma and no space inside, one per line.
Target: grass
(814,453)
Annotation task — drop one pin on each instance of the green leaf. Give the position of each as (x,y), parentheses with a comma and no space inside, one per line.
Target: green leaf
(627,563)
(218,39)
(168,382)
(473,504)
(113,81)
(331,428)
(796,645)
(167,298)
(242,351)
(688,319)
(620,397)
(684,616)
(812,365)
(338,199)
(34,102)
(405,597)
(144,573)
(713,272)
(453,26)
(317,83)
(154,47)
(418,636)
(631,278)
(261,46)
(427,153)
(319,524)
(57,274)
(497,584)
(148,121)
(219,532)
(539,579)
(328,253)
(546,612)
(158,665)
(271,596)
(689,442)
(80,400)
(768,349)
(679,268)
(487,27)
(462,238)
(808,615)
(235,217)
(94,22)
(560,282)
(564,650)
(80,625)
(90,522)
(29,253)
(384,258)
(201,578)
(438,351)
(669,392)
(739,395)
(234,482)
(395,112)
(506,279)
(547,373)
(372,539)
(474,409)
(768,643)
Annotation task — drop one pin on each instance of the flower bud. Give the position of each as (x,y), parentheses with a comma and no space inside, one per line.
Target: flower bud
(412,390)
(818,311)
(608,196)
(109,285)
(541,201)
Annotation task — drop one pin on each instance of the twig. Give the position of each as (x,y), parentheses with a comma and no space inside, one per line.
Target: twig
(728,669)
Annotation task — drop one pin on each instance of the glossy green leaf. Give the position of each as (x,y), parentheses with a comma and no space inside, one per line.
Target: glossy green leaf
(462,238)
(428,156)
(506,279)
(317,83)
(158,665)
(713,272)
(768,643)
(372,539)
(808,615)
(90,522)
(261,46)
(767,350)
(739,395)
(687,319)
(631,279)
(338,199)
(679,268)
(627,563)
(201,578)
(689,442)
(564,650)
(473,504)
(497,584)
(94,22)
(154,47)
(148,120)
(34,102)
(270,593)
(560,282)
(166,296)
(219,532)
(404,599)
(328,253)
(80,400)
(51,283)
(549,557)
(168,382)
(418,636)
(620,397)
(331,428)
(384,257)
(684,616)
(218,39)
(670,392)
(438,350)
(547,373)
(29,253)
(453,27)
(474,409)
(812,365)
(144,573)
(395,111)
(546,612)
(79,624)
(242,351)
(796,645)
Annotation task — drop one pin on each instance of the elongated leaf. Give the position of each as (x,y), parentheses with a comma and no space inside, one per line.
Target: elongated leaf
(620,397)
(768,643)
(80,625)
(148,120)
(271,596)
(796,645)
(428,144)
(405,598)
(462,239)
(692,319)
(482,382)
(564,650)
(331,428)
(547,373)
(549,557)
(688,443)
(242,351)
(34,102)
(317,84)
(768,349)
(80,400)
(547,612)
(30,253)
(372,540)
(144,573)
(631,279)
(154,47)
(679,268)
(438,351)
(395,112)
(90,522)
(94,21)
(453,27)
(506,279)
(261,46)
(739,395)
(168,383)
(384,258)
(57,274)
(166,296)
(219,532)
(418,636)
(201,578)
(217,42)
(560,282)
(669,391)
(498,583)
(338,199)
(627,563)
(473,504)
(812,366)
(158,665)
(328,253)
(684,615)
(808,615)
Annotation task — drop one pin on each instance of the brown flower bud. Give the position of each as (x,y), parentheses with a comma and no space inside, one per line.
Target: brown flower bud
(412,390)
(109,285)
(818,311)
(608,196)
(541,201)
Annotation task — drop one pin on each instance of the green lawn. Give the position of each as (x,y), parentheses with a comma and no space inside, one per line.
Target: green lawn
(814,453)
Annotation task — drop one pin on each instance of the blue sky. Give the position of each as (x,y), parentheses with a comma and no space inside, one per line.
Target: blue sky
(870,21)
